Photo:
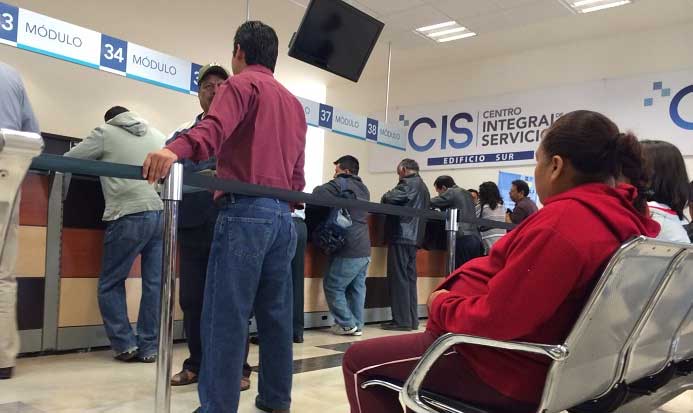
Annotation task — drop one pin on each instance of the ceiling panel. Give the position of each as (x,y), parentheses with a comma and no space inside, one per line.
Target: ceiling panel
(466,8)
(536,12)
(387,7)
(416,17)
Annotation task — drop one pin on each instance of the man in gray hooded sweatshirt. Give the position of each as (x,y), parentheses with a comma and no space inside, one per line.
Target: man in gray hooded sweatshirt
(134,227)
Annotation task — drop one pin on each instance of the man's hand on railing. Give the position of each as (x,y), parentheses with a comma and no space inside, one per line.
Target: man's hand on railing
(157,164)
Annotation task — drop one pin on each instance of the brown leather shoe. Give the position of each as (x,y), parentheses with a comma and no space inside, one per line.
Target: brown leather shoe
(184,378)
(245,383)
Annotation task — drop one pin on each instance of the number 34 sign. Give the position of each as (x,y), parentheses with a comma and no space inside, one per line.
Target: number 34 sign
(35,32)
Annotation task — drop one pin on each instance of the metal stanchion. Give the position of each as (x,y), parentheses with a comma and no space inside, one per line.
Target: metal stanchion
(451,227)
(171,194)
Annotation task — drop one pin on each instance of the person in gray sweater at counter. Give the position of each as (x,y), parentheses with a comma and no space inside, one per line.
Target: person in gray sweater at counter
(345,280)
(468,245)
(134,227)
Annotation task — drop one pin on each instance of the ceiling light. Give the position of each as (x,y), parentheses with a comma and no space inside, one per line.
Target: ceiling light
(587,6)
(460,36)
(445,32)
(448,31)
(436,26)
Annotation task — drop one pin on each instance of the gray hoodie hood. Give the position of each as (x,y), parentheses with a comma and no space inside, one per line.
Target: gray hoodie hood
(131,122)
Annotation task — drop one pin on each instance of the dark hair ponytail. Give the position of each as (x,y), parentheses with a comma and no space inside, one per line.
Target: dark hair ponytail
(629,154)
(597,150)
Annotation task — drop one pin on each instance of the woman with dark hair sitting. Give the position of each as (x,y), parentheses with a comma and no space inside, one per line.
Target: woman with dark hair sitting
(490,207)
(533,284)
(668,189)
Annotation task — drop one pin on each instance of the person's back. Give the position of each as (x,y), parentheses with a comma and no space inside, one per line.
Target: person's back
(460,198)
(344,282)
(410,192)
(15,109)
(125,139)
(15,114)
(668,192)
(358,243)
(490,236)
(269,135)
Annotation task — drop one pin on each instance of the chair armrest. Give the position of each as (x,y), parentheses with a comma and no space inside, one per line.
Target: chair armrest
(410,392)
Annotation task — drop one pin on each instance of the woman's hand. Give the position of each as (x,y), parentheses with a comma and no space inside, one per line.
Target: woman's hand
(433,296)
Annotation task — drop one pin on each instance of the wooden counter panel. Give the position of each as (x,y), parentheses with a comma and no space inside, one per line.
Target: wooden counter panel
(82,251)
(33,209)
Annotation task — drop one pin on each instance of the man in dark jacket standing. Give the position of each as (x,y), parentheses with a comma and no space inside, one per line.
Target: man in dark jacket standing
(404,235)
(450,195)
(345,280)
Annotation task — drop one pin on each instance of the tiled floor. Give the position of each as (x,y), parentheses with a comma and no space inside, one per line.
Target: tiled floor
(93,382)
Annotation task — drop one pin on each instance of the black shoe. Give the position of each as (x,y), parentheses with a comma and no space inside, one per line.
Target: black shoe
(126,356)
(148,359)
(254,340)
(6,373)
(269,409)
(391,326)
(198,410)
(298,340)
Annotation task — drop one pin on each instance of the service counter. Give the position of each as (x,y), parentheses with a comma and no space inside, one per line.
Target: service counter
(59,261)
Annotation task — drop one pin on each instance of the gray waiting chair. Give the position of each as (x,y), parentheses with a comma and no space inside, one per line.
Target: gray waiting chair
(683,350)
(649,361)
(17,149)
(590,363)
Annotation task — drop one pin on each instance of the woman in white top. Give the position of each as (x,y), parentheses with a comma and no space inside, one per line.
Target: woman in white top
(490,207)
(668,193)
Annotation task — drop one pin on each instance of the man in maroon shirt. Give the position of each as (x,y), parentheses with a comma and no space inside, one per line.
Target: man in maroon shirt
(256,129)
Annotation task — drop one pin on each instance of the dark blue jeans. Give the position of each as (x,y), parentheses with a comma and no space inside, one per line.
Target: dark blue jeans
(124,240)
(249,271)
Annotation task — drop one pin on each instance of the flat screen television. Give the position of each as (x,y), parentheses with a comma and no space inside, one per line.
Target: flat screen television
(336,37)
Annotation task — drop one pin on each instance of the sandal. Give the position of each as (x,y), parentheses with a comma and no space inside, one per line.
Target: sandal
(184,378)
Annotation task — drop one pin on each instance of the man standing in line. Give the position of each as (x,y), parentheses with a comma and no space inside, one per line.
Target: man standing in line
(15,114)
(468,245)
(133,215)
(198,215)
(404,235)
(524,206)
(345,280)
(257,131)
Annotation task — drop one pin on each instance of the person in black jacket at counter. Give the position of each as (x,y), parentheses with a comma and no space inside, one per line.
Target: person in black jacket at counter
(468,243)
(345,280)
(404,236)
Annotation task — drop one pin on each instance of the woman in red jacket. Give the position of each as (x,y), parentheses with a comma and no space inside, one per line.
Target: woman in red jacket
(533,284)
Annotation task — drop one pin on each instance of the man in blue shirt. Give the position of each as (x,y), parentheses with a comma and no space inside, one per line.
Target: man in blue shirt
(15,114)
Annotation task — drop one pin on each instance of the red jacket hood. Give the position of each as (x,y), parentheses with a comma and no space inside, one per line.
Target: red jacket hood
(614,206)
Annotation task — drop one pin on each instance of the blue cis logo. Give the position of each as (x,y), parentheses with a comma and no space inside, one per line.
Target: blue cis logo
(425,133)
(675,105)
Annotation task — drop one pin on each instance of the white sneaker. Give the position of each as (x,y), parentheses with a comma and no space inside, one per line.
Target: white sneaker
(358,332)
(343,331)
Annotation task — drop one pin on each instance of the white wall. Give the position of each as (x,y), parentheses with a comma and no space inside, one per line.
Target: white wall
(629,54)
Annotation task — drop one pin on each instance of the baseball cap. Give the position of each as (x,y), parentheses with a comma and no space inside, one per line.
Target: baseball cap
(212,68)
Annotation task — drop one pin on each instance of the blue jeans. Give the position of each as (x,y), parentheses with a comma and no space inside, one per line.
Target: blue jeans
(249,271)
(125,239)
(345,290)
